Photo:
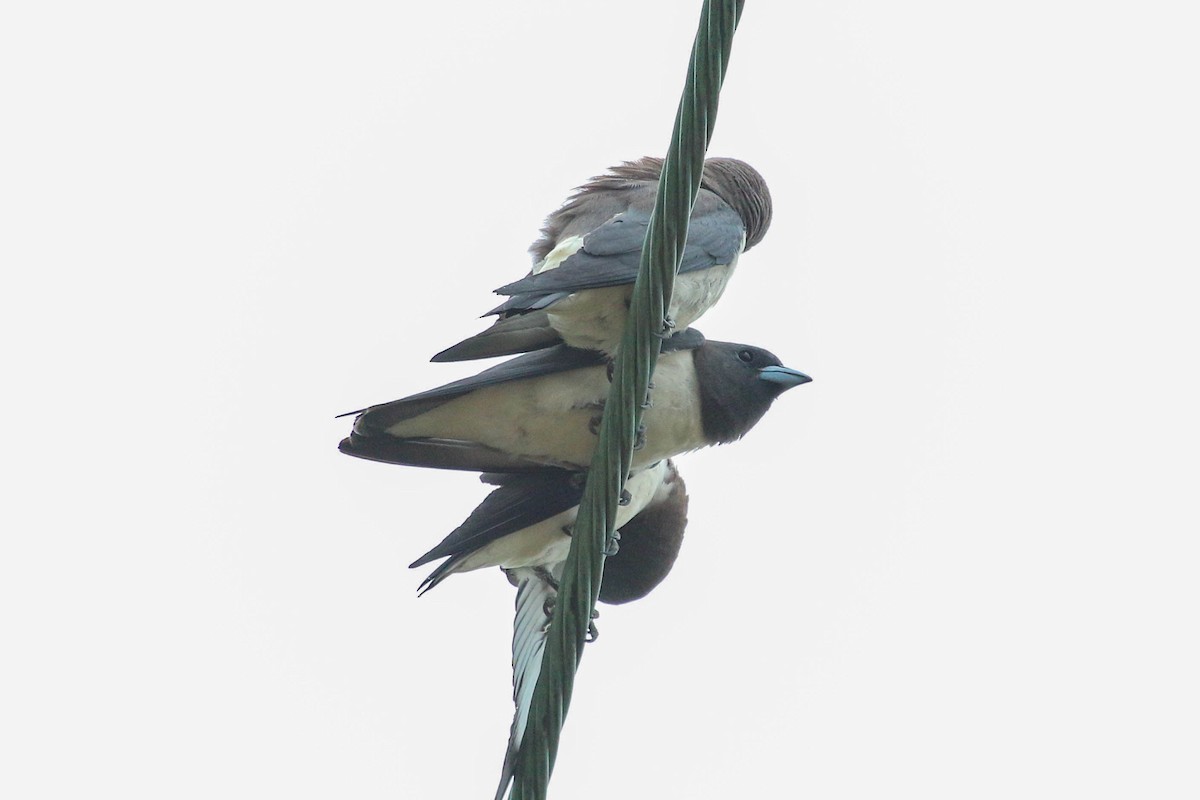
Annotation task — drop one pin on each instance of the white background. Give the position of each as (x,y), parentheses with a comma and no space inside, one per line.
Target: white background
(961,563)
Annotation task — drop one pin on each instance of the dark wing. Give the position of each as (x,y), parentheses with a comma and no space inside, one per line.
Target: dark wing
(377,419)
(518,502)
(611,253)
(525,330)
(455,454)
(526,303)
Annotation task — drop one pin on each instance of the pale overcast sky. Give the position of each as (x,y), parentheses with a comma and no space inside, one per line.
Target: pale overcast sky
(962,563)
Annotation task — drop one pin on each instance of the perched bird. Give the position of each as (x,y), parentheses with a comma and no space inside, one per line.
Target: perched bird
(524,526)
(587,259)
(543,409)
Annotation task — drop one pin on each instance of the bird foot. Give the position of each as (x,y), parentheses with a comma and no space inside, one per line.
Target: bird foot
(648,402)
(593,633)
(614,545)
(546,577)
(640,441)
(594,424)
(625,499)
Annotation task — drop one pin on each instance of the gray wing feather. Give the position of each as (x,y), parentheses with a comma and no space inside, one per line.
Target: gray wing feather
(529,643)
(518,502)
(611,254)
(519,333)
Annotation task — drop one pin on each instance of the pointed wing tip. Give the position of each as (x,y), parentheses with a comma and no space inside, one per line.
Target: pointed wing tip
(360,447)
(472,349)
(422,561)
(494,344)
(514,288)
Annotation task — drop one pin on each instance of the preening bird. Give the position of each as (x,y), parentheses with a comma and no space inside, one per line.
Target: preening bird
(526,523)
(543,409)
(525,526)
(587,258)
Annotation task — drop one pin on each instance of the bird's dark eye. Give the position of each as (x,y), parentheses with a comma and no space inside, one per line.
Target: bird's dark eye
(745,355)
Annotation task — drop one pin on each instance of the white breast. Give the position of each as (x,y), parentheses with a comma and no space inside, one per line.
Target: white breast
(594,319)
(673,420)
(696,292)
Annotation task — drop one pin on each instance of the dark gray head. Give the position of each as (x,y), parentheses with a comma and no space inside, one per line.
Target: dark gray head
(734,181)
(738,383)
(650,543)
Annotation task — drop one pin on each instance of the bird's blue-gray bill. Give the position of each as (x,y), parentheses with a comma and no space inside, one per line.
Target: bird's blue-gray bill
(784,376)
